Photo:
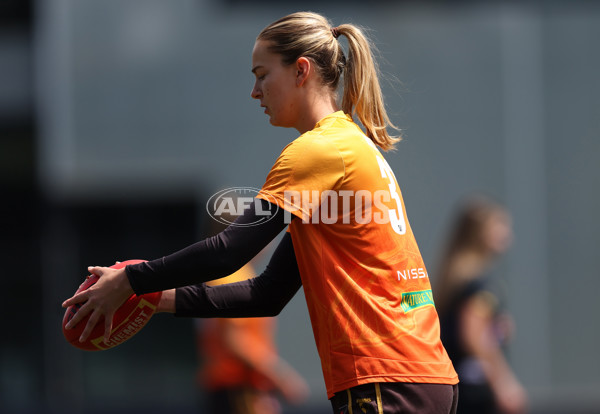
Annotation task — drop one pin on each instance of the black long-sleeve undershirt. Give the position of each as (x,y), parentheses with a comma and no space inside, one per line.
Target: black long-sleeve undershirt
(265,295)
(221,256)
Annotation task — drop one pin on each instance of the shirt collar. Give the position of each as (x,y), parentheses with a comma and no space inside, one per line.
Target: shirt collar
(333,116)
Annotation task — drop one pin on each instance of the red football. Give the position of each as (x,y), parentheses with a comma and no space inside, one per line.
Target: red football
(128,320)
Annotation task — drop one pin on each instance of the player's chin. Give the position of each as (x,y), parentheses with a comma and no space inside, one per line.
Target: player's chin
(278,122)
(273,121)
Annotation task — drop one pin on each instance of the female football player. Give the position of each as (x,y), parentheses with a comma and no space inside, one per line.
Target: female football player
(349,244)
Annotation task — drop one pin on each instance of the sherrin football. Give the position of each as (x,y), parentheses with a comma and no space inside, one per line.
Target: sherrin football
(128,320)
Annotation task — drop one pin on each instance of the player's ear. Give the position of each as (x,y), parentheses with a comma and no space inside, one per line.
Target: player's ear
(302,69)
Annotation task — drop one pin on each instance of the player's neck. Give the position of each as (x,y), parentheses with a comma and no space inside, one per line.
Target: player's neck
(316,109)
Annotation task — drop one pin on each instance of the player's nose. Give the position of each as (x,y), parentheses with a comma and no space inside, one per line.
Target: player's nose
(255,93)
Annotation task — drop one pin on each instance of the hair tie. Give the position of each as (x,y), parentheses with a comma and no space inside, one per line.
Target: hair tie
(335,32)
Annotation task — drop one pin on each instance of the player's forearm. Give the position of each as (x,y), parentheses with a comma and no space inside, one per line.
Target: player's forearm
(167,302)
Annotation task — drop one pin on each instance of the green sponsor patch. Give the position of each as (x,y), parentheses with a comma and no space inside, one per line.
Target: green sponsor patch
(415,300)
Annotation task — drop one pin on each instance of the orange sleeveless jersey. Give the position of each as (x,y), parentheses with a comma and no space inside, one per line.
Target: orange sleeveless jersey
(366,286)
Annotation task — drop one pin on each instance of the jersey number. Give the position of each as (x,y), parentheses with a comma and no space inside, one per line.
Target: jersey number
(396,215)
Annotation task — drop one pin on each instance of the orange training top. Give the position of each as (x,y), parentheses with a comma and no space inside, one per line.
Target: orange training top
(366,286)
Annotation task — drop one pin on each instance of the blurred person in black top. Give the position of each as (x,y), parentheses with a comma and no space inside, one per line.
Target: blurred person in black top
(473,328)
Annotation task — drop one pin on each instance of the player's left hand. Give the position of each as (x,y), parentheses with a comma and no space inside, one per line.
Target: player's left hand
(100,300)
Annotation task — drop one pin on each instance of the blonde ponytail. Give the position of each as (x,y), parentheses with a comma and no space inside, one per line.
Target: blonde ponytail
(362,92)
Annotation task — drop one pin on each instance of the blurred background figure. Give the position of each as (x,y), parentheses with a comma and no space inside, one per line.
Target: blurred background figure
(474,327)
(240,370)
